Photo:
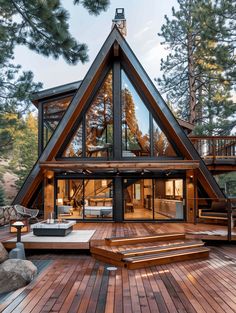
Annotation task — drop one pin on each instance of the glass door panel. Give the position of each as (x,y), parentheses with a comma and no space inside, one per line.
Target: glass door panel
(168,199)
(69,199)
(98,199)
(137,194)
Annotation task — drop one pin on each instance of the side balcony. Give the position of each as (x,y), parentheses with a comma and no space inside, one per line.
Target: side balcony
(218,152)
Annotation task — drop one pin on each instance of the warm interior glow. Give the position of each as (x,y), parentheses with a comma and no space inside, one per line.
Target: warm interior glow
(59,201)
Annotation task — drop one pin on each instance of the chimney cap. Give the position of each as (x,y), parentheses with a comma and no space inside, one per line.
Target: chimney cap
(119,15)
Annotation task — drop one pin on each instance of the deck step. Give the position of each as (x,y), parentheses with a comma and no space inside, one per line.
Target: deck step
(159,249)
(125,253)
(165,257)
(119,241)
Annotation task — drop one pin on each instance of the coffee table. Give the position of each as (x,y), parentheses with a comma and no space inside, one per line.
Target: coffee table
(56,229)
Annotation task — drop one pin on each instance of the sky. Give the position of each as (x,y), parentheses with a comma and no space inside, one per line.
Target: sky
(144,21)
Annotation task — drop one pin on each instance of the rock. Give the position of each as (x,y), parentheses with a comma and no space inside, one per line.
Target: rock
(3,253)
(15,274)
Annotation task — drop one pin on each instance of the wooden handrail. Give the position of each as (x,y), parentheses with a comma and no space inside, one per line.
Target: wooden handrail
(213,137)
(215,146)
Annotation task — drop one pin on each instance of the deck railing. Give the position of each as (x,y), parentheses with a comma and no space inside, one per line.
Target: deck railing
(215,146)
(227,204)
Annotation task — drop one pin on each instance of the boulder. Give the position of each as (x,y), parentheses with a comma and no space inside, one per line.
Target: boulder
(3,253)
(15,274)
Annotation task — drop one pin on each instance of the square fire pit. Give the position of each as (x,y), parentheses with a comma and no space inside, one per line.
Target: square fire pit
(56,229)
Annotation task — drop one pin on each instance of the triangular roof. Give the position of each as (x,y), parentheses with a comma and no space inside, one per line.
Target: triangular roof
(97,70)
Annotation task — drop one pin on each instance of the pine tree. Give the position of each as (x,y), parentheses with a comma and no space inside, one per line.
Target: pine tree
(94,6)
(24,153)
(195,71)
(2,196)
(43,27)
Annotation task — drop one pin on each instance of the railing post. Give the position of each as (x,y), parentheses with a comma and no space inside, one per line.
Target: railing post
(229,211)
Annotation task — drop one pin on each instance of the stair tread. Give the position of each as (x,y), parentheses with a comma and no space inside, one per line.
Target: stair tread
(145,237)
(166,254)
(161,247)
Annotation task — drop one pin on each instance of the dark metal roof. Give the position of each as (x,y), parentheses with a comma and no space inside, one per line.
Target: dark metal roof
(55,91)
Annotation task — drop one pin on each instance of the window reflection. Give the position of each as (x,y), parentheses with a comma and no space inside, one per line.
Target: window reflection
(53,112)
(162,146)
(74,148)
(135,122)
(99,122)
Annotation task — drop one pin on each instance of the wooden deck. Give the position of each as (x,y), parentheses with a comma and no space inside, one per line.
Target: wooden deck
(108,229)
(78,283)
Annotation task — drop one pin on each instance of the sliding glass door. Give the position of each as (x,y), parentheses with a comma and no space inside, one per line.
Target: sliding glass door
(98,199)
(137,199)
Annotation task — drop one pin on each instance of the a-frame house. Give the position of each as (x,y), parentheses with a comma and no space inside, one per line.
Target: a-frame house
(111,149)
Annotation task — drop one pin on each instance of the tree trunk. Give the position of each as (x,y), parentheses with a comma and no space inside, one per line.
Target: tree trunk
(191,77)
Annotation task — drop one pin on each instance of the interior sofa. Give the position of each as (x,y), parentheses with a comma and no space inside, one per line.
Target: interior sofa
(218,211)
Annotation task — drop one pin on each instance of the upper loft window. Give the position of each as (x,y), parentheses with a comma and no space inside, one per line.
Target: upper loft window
(135,122)
(75,147)
(161,145)
(98,122)
(53,112)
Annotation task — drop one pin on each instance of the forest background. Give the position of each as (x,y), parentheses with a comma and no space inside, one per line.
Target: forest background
(198,74)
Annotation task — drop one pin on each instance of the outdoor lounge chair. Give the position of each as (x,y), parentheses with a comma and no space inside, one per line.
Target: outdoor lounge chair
(26,213)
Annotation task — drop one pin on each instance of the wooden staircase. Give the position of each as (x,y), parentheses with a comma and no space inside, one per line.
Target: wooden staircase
(144,251)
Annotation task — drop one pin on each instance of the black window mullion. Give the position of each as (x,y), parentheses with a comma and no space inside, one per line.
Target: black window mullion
(84,136)
(117,143)
(151,135)
(40,128)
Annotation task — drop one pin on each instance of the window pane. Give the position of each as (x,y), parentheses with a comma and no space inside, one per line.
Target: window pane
(70,198)
(138,199)
(168,199)
(99,122)
(53,112)
(162,146)
(74,148)
(98,196)
(135,122)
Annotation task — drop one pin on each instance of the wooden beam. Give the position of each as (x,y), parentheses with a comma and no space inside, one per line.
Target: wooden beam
(116,49)
(161,165)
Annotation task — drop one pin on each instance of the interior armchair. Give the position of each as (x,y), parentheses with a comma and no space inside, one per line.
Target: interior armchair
(24,212)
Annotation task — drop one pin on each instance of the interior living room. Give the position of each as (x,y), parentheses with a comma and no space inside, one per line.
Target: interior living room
(84,198)
(153,199)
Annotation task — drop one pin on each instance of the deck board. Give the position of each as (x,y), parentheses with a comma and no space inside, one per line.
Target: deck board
(78,283)
(75,282)
(108,229)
